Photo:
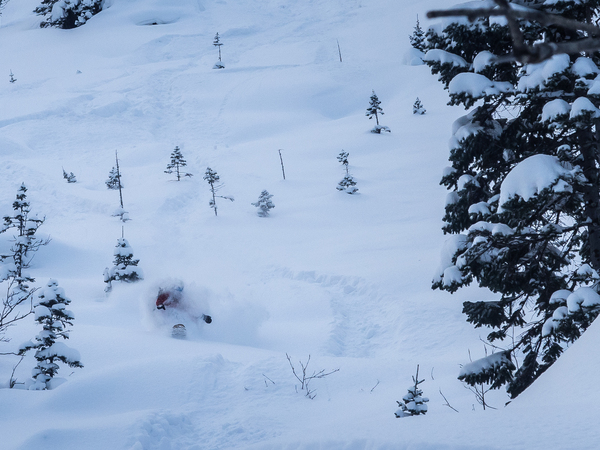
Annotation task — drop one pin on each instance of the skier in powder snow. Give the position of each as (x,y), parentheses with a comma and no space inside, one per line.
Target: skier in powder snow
(170,298)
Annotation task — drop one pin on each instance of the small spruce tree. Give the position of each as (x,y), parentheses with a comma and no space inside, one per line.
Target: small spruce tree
(374,110)
(114,179)
(114,182)
(217,43)
(25,241)
(413,403)
(212,179)
(417,39)
(124,266)
(16,260)
(418,107)
(12,77)
(176,164)
(50,312)
(347,184)
(264,204)
(70,177)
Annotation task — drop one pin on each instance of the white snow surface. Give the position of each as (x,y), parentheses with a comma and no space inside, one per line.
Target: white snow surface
(344,279)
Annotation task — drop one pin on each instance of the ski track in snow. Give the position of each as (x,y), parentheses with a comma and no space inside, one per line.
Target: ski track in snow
(355,305)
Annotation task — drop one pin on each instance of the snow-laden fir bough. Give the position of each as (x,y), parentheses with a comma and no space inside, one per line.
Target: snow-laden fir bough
(67,14)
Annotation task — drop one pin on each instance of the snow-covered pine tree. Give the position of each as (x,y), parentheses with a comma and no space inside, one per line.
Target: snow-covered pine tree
(67,14)
(176,164)
(50,312)
(70,177)
(374,110)
(124,266)
(418,107)
(524,206)
(418,39)
(17,259)
(114,182)
(264,203)
(212,179)
(12,77)
(25,241)
(114,179)
(413,403)
(217,43)
(347,184)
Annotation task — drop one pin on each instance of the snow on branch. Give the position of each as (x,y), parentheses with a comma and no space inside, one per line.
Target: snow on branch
(522,52)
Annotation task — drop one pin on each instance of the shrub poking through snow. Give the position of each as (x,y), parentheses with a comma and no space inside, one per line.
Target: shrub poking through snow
(347,185)
(67,14)
(374,110)
(50,312)
(212,179)
(413,403)
(418,107)
(70,177)
(12,77)
(217,43)
(304,377)
(264,204)
(176,164)
(124,268)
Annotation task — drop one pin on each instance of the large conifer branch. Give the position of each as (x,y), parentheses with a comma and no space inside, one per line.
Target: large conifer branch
(524,53)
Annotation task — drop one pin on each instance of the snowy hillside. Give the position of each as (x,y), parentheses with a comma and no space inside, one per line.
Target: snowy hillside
(343,278)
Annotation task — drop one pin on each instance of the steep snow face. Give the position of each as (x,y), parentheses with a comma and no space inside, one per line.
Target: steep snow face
(342,279)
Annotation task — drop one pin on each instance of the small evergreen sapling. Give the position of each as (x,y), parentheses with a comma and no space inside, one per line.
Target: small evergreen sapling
(114,179)
(114,182)
(264,204)
(413,403)
(374,110)
(12,77)
(70,177)
(124,268)
(16,260)
(176,164)
(418,39)
(418,107)
(212,179)
(50,312)
(217,43)
(25,241)
(347,184)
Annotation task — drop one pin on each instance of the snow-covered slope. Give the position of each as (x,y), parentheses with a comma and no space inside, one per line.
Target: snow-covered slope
(342,278)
